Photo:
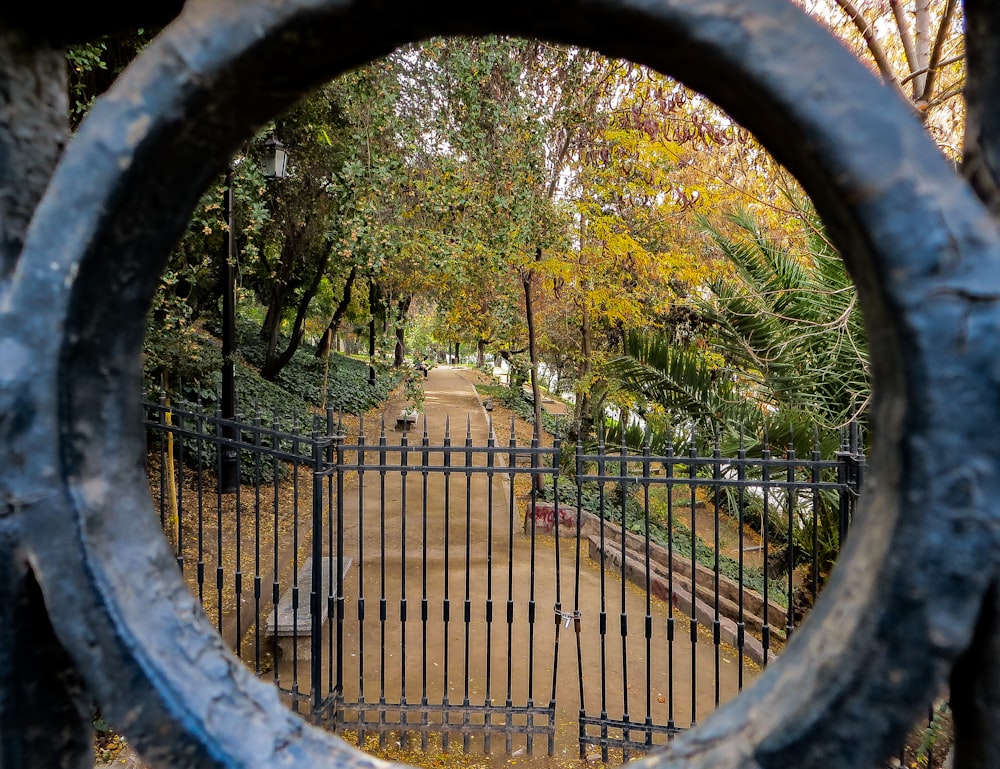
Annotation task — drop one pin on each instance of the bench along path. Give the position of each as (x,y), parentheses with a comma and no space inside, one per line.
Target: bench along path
(291,623)
(445,580)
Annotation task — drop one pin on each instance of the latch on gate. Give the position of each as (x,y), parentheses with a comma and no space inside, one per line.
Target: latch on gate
(566,617)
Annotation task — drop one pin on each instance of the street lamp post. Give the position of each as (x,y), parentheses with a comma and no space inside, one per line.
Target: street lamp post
(229,476)
(275,167)
(275,158)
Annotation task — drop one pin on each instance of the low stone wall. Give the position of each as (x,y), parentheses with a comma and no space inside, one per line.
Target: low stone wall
(670,578)
(545,515)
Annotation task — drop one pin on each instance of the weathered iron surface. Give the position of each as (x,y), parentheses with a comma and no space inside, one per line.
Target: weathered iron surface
(911,587)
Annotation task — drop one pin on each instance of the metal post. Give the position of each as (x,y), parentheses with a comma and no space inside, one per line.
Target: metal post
(229,472)
(847,477)
(316,595)
(843,500)
(856,477)
(339,681)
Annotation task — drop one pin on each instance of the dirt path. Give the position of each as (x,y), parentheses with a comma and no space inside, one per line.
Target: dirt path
(447,547)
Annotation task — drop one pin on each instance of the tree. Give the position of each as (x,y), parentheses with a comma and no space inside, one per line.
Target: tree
(781,346)
(781,362)
(305,228)
(397,209)
(917,47)
(94,65)
(788,322)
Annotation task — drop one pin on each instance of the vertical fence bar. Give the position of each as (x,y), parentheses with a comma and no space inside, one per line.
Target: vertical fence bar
(467,605)
(275,562)
(859,462)
(578,465)
(816,501)
(316,593)
(179,509)
(490,445)
(668,470)
(296,694)
(603,623)
(258,447)
(238,566)
(556,464)
(446,602)
(424,601)
(843,479)
(741,477)
(403,550)
(164,433)
(531,587)
(859,480)
(511,463)
(766,529)
(361,579)
(623,592)
(792,499)
(341,602)
(199,448)
(382,601)
(693,503)
(219,574)
(336,562)
(717,614)
(647,572)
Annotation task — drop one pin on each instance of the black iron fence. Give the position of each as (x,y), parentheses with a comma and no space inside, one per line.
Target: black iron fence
(407,586)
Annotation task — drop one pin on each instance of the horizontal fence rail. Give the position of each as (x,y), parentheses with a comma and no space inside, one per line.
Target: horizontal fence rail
(418,588)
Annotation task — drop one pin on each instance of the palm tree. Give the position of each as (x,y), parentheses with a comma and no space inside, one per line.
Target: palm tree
(786,355)
(787,322)
(785,365)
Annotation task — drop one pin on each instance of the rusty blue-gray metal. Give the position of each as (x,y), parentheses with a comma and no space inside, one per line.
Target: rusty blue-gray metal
(92,604)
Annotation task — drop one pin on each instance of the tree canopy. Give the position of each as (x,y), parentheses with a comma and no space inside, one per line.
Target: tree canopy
(550,206)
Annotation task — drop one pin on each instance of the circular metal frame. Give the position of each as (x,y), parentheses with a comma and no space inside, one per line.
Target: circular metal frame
(903,603)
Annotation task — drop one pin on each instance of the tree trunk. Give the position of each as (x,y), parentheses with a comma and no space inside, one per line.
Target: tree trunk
(402,307)
(922,45)
(582,412)
(271,328)
(273,366)
(326,343)
(527,281)
(372,305)
(481,353)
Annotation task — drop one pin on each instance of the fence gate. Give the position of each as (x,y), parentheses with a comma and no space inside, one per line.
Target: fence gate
(443,608)
(692,577)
